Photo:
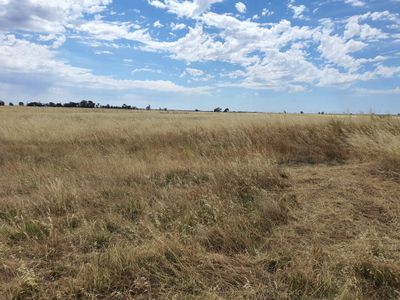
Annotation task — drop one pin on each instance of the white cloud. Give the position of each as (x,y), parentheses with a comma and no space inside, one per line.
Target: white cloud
(235,74)
(298,10)
(364,31)
(240,7)
(20,57)
(158,4)
(58,40)
(46,16)
(157,24)
(177,26)
(266,12)
(196,75)
(369,92)
(185,8)
(387,72)
(356,3)
(101,52)
(194,72)
(110,31)
(194,46)
(281,70)
(336,50)
(145,70)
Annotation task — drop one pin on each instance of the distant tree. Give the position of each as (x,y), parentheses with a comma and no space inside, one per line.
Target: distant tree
(302,112)
(86,104)
(218,109)
(148,107)
(196,110)
(11,104)
(2,103)
(322,113)
(165,109)
(21,103)
(34,104)
(71,104)
(226,110)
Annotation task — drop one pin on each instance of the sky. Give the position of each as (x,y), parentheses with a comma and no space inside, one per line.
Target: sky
(330,55)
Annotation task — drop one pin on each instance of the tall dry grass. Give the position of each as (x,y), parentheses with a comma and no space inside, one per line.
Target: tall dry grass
(116,204)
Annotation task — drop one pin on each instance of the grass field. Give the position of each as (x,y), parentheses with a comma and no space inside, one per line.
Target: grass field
(136,205)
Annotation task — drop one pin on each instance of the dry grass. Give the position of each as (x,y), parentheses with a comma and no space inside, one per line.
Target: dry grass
(137,205)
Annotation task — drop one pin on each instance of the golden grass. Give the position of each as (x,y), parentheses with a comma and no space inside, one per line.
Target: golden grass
(133,204)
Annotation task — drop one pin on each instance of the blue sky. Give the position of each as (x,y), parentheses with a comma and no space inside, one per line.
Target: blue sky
(332,55)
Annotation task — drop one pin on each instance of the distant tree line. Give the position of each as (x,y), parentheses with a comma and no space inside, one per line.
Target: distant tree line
(81,104)
(91,104)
